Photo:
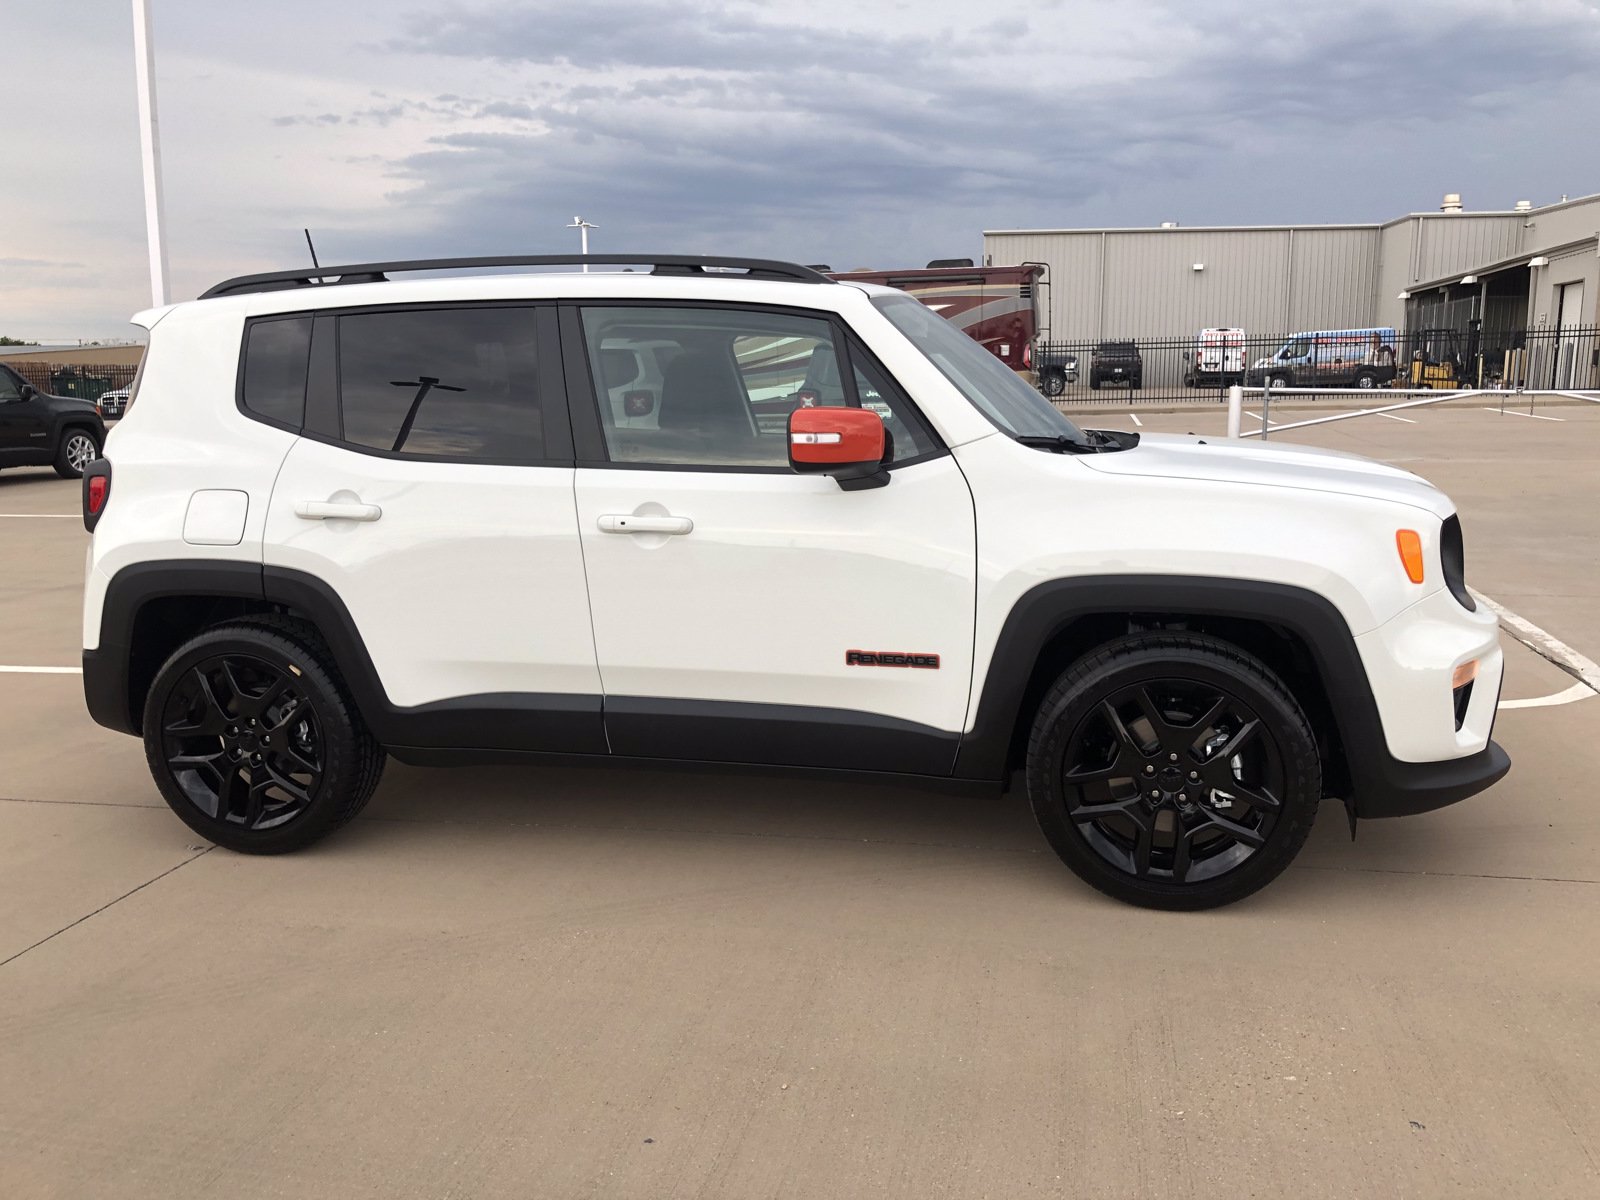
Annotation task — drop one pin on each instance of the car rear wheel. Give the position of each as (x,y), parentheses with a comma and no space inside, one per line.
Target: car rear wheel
(253,741)
(1366,379)
(1053,383)
(1173,771)
(1278,381)
(77,450)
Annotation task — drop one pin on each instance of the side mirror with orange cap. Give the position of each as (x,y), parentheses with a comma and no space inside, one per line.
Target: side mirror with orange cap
(847,443)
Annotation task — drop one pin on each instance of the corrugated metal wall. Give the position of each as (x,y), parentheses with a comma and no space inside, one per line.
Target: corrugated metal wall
(1141,283)
(1265,281)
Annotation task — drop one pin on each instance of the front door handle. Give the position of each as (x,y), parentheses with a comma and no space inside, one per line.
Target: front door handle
(327,510)
(632,523)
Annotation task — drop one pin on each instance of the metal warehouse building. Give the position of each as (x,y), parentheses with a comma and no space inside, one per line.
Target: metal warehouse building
(1505,274)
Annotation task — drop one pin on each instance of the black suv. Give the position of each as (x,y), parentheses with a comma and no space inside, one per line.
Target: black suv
(1116,362)
(41,430)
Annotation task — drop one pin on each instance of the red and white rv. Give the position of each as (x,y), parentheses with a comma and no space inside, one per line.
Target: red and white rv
(997,307)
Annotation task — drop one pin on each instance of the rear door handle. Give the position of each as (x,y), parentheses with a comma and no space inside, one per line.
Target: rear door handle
(326,510)
(630,523)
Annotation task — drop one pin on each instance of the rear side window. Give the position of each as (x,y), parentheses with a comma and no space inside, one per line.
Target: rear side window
(275,356)
(442,383)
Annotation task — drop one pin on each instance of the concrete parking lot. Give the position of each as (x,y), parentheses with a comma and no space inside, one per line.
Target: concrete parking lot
(549,982)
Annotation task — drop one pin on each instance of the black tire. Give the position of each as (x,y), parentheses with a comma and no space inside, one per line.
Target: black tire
(1366,379)
(1052,383)
(1094,382)
(1201,730)
(1135,382)
(78,448)
(1280,381)
(209,723)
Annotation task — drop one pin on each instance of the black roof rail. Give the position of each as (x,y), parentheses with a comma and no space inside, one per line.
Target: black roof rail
(660,264)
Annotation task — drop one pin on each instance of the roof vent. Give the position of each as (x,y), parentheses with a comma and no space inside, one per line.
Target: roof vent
(1524,206)
(1169,224)
(1452,202)
(949,262)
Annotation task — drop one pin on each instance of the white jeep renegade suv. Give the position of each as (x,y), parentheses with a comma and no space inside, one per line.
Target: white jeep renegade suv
(563,517)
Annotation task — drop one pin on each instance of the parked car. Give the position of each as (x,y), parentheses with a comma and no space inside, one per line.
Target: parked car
(1056,369)
(404,517)
(1217,359)
(113,404)
(1336,358)
(1116,362)
(37,429)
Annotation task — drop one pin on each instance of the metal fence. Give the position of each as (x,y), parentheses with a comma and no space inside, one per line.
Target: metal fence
(1192,369)
(86,381)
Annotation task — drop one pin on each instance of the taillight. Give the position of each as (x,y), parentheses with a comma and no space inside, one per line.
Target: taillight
(96,491)
(1027,357)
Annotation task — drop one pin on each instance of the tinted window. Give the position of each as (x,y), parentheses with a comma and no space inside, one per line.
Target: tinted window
(715,387)
(10,385)
(275,356)
(449,382)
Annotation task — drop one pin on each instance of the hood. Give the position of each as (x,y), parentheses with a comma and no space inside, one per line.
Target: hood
(1271,464)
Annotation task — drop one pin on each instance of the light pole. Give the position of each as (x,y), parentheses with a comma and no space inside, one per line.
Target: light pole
(144,71)
(583,228)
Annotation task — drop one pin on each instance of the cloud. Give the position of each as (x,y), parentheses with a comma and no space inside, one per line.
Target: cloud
(859,134)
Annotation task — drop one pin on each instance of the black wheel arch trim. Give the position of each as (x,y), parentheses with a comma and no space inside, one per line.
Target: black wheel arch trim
(1380,784)
(786,736)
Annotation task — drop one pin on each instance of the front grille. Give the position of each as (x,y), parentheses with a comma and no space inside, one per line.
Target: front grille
(1452,556)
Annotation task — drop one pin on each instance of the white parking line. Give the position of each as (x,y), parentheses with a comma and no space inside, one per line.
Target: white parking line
(1392,417)
(1135,417)
(43,516)
(41,670)
(1512,412)
(1578,691)
(1257,416)
(1547,646)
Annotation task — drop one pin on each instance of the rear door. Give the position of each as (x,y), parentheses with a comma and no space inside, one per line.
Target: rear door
(759,615)
(432,493)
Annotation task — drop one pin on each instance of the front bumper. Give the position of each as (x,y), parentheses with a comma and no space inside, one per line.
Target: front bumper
(1425,759)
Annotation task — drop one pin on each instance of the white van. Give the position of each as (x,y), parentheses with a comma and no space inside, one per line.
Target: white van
(1216,360)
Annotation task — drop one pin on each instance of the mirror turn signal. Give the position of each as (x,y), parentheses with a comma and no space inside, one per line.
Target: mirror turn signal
(847,443)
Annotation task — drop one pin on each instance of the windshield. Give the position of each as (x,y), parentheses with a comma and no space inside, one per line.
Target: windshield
(992,387)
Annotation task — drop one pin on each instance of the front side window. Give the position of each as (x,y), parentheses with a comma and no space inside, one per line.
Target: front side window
(442,383)
(10,385)
(686,386)
(988,384)
(276,354)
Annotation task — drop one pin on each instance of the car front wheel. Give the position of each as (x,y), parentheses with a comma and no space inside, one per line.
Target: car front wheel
(253,741)
(1053,383)
(77,450)
(1173,771)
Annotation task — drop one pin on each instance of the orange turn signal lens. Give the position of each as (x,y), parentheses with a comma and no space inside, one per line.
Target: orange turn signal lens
(1410,544)
(1463,675)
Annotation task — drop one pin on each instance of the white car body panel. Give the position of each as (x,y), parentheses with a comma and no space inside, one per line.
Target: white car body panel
(470,583)
(780,576)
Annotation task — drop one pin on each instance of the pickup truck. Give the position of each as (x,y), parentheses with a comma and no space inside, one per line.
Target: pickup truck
(1116,362)
(1054,369)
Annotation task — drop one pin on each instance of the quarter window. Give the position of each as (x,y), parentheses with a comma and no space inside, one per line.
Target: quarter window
(275,357)
(442,383)
(684,386)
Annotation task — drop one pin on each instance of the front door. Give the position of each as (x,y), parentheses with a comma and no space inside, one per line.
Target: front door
(743,612)
(24,426)
(435,499)
(1571,369)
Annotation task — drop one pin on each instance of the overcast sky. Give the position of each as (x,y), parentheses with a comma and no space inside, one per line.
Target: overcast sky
(862,133)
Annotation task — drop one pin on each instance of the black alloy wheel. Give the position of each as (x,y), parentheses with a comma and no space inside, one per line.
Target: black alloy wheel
(243,742)
(253,742)
(1173,771)
(1053,383)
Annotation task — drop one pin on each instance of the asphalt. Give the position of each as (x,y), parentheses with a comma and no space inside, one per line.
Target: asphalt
(543,982)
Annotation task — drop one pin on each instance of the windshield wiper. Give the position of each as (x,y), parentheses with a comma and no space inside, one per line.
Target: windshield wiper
(1064,443)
